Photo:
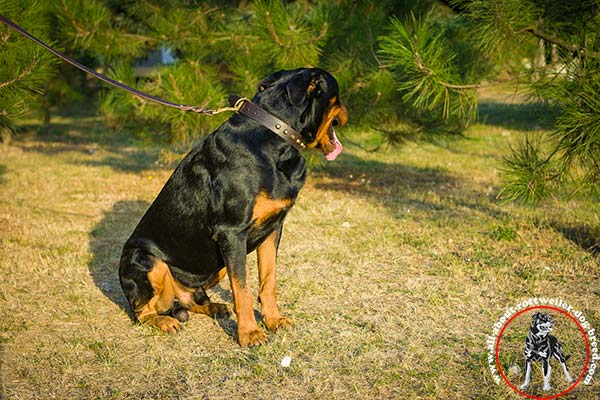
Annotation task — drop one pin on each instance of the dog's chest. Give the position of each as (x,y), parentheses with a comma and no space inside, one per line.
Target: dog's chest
(264,223)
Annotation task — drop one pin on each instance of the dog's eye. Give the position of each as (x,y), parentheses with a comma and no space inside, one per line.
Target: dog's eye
(335,121)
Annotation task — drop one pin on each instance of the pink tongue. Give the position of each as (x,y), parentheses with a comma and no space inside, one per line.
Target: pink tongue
(338,148)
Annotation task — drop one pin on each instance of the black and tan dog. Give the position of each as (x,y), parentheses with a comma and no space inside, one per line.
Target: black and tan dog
(541,346)
(228,197)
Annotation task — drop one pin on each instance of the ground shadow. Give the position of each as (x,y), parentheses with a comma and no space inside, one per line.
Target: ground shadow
(393,185)
(2,173)
(126,161)
(522,116)
(106,242)
(582,236)
(120,159)
(87,134)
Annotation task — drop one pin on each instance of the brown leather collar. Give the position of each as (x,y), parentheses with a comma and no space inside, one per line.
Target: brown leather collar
(268,120)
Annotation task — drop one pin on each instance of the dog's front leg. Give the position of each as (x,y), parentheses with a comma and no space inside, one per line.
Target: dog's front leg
(267,257)
(233,249)
(546,369)
(527,380)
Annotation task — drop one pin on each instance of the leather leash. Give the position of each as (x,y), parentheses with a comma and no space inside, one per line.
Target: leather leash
(104,78)
(238,104)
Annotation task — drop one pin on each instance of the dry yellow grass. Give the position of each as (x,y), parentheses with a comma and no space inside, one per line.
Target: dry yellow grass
(405,261)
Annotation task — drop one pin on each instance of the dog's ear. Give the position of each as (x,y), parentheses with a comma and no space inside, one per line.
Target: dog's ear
(296,90)
(268,81)
(317,85)
(306,86)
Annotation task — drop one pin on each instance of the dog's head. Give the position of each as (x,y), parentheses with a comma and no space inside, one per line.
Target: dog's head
(308,100)
(541,323)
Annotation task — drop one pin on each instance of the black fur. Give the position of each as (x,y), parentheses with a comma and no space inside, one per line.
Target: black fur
(201,220)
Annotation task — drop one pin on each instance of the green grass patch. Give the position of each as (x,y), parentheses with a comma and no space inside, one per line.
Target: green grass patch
(405,259)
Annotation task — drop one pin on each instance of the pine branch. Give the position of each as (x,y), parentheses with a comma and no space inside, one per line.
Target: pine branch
(560,43)
(526,173)
(22,75)
(372,49)
(272,29)
(5,35)
(279,42)
(318,37)
(72,19)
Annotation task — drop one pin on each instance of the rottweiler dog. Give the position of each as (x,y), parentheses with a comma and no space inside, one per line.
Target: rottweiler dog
(541,346)
(228,197)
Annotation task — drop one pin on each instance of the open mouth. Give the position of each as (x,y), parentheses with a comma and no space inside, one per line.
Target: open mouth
(326,139)
(335,143)
(332,147)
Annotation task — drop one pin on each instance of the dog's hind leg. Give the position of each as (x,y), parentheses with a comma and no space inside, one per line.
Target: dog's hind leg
(527,380)
(149,288)
(547,370)
(563,361)
(202,304)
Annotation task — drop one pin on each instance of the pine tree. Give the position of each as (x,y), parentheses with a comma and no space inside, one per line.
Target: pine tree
(25,68)
(570,82)
(225,47)
(404,67)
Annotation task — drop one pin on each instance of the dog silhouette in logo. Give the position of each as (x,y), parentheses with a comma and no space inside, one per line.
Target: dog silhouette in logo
(541,346)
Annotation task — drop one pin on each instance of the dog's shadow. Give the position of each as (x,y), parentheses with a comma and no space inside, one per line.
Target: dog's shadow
(106,242)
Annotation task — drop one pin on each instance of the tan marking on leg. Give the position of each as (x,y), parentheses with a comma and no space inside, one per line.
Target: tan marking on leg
(185,296)
(311,86)
(265,207)
(267,257)
(164,295)
(249,334)
(211,309)
(215,278)
(166,290)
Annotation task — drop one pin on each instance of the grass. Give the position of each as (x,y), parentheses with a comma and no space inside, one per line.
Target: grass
(404,260)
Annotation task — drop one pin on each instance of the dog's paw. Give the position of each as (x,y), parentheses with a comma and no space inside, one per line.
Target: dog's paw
(276,323)
(254,337)
(167,324)
(218,310)
(546,387)
(524,386)
(180,314)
